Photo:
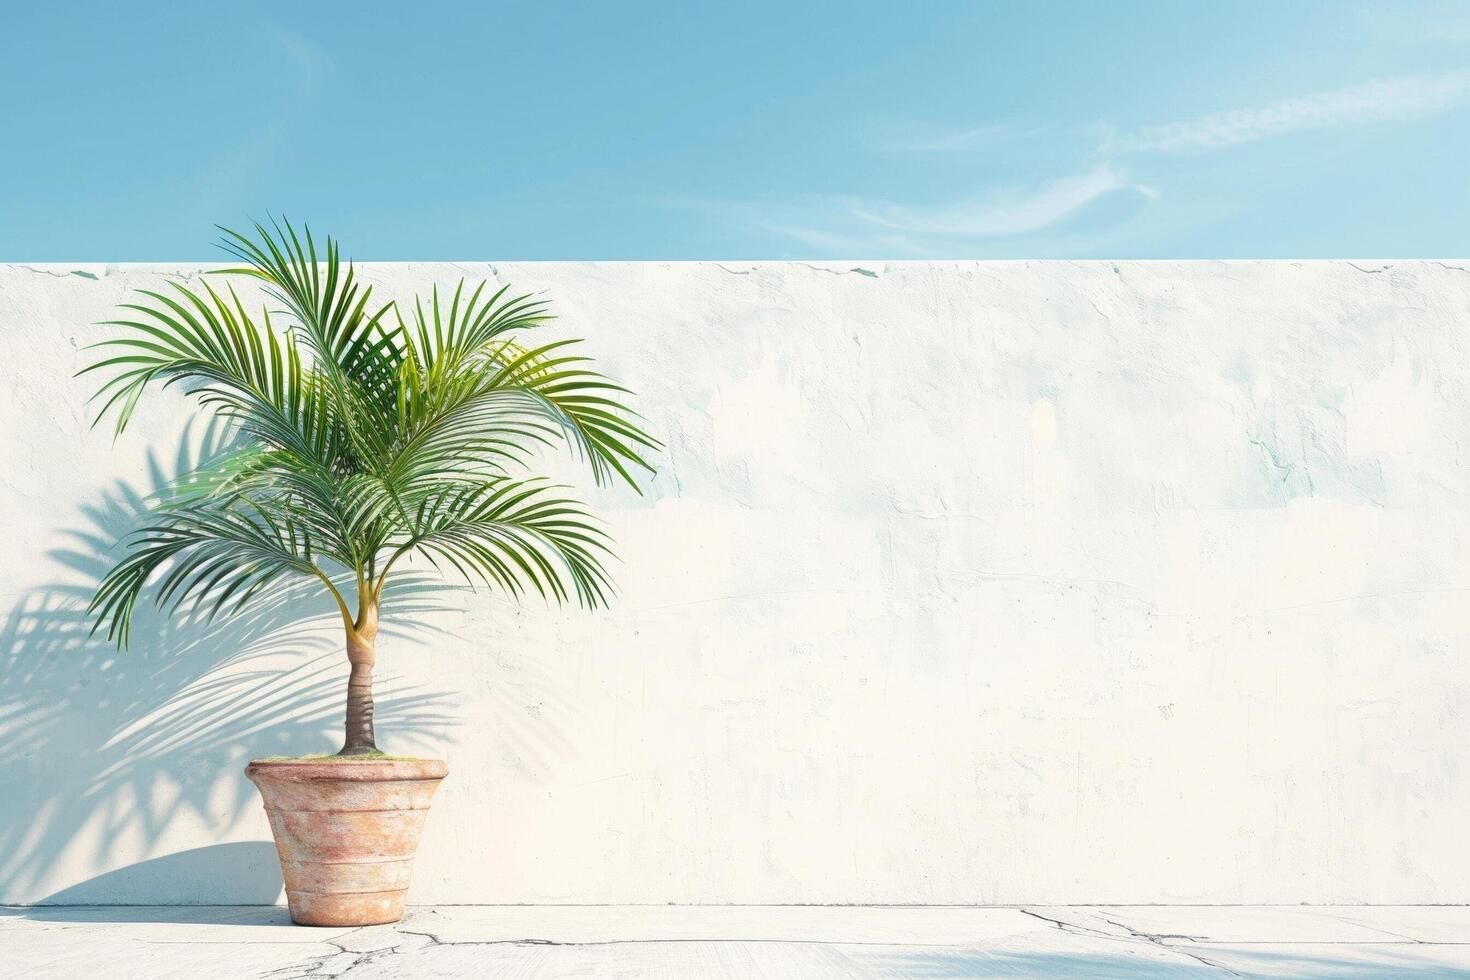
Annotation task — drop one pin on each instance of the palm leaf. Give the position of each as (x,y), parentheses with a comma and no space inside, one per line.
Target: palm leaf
(516,535)
(364,432)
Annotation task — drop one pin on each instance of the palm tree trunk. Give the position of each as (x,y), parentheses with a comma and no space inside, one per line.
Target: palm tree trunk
(360,654)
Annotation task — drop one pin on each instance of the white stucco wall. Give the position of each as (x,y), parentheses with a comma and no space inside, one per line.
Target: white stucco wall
(960,583)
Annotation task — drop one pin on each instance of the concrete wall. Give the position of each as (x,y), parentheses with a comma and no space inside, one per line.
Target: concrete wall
(960,583)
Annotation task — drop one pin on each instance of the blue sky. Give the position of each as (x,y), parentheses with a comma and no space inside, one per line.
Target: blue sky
(754,130)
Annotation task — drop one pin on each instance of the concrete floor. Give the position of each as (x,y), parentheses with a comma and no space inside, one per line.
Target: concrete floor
(688,943)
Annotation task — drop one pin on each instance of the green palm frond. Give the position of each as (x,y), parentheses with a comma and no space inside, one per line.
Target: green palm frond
(515,534)
(469,326)
(580,401)
(470,342)
(206,554)
(329,303)
(243,370)
(364,434)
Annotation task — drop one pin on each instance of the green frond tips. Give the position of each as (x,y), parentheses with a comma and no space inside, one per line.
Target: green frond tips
(366,432)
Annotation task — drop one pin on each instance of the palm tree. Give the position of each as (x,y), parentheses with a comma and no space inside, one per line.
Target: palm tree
(364,434)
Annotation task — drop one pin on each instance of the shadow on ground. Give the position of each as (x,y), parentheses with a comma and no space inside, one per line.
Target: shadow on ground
(251,868)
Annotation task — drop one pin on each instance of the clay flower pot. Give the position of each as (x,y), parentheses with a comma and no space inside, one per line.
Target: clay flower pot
(346,833)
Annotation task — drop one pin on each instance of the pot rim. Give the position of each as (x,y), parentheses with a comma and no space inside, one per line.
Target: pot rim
(362,771)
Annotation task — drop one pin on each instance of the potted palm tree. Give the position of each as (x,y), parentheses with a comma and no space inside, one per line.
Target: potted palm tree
(365,435)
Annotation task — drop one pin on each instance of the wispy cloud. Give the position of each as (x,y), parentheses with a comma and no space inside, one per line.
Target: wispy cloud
(848,243)
(1384,100)
(908,139)
(1055,209)
(855,226)
(1010,211)
(823,223)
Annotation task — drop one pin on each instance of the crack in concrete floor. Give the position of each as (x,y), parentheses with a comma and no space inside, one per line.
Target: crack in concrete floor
(869,943)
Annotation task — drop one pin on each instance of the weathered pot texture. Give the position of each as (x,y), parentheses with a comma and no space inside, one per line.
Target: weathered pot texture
(346,833)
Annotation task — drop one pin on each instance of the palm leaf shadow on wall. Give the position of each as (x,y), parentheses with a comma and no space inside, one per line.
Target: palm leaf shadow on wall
(111,750)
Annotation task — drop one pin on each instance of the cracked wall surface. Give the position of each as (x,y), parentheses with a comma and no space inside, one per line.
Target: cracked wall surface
(976,582)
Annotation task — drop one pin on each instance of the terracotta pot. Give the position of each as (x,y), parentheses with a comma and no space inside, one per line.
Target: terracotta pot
(346,833)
